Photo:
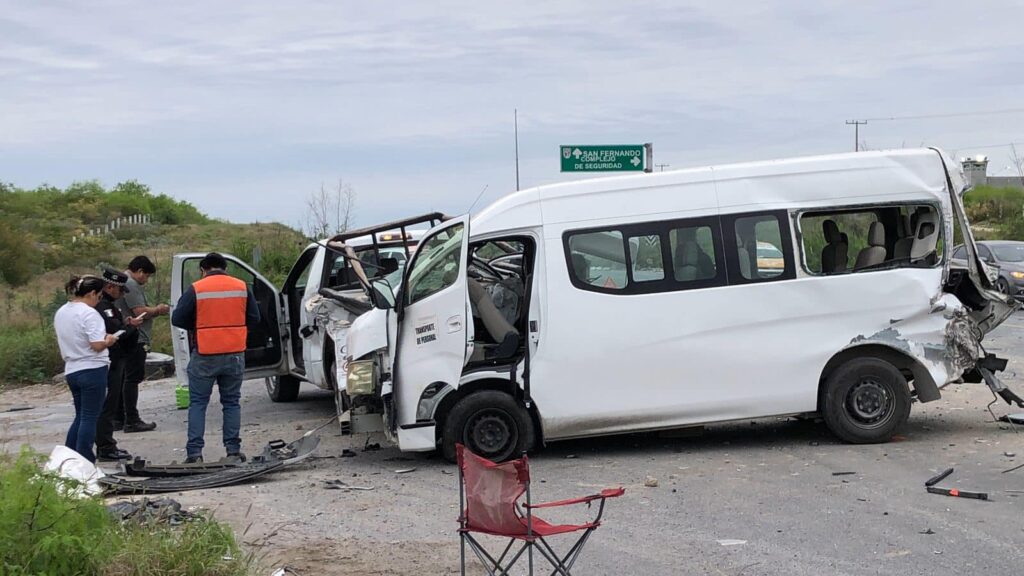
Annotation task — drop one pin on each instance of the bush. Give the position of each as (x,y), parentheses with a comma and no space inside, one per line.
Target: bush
(44,530)
(28,353)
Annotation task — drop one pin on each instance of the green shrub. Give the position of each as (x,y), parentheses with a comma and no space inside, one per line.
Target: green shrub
(44,530)
(28,353)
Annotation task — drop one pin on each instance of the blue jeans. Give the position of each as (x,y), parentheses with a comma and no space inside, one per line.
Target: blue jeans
(89,389)
(226,371)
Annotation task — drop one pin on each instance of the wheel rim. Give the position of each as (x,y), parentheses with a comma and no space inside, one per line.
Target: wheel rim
(492,434)
(1003,286)
(869,403)
(271,383)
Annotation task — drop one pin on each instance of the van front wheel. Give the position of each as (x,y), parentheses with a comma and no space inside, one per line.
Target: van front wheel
(865,401)
(491,424)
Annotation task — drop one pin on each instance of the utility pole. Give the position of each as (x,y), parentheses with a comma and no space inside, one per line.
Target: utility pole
(516,120)
(661,167)
(856,132)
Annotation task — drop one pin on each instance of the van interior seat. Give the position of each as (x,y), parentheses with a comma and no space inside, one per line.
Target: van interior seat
(580,266)
(901,250)
(874,253)
(498,328)
(691,262)
(836,250)
(925,238)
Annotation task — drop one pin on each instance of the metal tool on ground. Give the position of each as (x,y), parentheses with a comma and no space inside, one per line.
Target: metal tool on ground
(956,493)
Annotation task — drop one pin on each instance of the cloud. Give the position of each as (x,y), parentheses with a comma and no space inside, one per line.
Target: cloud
(240,107)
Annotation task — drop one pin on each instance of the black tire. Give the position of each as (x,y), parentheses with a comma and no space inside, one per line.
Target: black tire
(283,388)
(865,401)
(491,424)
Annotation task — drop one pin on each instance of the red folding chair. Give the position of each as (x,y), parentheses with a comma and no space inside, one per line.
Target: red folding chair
(488,504)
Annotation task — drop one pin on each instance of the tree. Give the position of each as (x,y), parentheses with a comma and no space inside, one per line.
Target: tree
(330,211)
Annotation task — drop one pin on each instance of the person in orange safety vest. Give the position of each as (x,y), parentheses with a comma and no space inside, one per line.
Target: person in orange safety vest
(217,311)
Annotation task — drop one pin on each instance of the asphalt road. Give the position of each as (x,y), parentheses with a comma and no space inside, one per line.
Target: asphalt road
(769,483)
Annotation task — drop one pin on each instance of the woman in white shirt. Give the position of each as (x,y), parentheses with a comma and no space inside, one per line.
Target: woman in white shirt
(83,341)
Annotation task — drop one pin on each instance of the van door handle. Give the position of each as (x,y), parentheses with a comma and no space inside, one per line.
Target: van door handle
(455,324)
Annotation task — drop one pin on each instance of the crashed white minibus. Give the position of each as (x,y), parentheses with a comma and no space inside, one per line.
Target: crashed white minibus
(817,285)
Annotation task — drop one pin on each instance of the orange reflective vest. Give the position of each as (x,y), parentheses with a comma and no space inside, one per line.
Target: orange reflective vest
(220,314)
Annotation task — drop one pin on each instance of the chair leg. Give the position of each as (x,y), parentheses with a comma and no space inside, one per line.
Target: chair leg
(462,552)
(494,567)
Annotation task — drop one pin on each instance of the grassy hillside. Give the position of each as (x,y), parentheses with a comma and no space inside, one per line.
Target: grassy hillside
(37,256)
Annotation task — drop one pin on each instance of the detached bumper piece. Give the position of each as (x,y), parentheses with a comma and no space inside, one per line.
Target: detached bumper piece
(181,477)
(986,368)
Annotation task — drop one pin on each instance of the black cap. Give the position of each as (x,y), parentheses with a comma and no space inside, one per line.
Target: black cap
(116,278)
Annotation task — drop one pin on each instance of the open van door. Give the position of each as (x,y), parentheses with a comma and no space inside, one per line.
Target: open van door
(265,352)
(434,322)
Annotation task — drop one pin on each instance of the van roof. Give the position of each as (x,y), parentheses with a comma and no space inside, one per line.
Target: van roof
(849,178)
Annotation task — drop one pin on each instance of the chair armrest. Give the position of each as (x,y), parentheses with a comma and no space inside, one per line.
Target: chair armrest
(606,493)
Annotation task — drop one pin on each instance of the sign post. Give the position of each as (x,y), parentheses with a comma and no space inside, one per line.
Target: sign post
(620,158)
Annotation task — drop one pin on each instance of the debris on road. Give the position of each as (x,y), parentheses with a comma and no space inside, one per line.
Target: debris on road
(651,482)
(929,531)
(19,408)
(405,470)
(342,485)
(954,492)
(1014,468)
(146,511)
(1013,418)
(843,473)
(731,542)
(346,453)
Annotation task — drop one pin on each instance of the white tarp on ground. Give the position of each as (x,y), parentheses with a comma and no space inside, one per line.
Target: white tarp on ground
(71,465)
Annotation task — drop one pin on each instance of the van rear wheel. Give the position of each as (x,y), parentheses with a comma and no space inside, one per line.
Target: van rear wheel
(283,388)
(491,424)
(865,401)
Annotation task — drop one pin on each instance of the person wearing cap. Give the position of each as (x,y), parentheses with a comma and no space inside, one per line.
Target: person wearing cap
(114,321)
(216,311)
(135,304)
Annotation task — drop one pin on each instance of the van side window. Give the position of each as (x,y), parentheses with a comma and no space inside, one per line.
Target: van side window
(693,253)
(437,263)
(599,259)
(875,238)
(646,258)
(761,249)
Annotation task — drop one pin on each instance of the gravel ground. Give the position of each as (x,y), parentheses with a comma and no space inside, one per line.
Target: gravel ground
(769,483)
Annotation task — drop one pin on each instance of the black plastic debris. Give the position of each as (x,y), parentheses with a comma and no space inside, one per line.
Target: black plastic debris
(148,511)
(930,485)
(1013,418)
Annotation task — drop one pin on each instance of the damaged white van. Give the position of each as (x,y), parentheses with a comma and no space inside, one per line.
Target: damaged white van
(655,301)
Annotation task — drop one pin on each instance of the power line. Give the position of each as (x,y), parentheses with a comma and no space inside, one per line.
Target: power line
(951,115)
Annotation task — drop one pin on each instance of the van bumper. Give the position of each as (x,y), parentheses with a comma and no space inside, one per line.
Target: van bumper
(418,437)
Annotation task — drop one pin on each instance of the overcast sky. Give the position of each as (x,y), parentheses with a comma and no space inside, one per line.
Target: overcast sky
(243,108)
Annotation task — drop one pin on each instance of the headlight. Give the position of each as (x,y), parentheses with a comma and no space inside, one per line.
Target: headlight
(1017,275)
(361,379)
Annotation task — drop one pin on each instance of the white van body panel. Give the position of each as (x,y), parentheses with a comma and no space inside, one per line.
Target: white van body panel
(603,363)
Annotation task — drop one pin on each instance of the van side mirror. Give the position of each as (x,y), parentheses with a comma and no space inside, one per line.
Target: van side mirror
(381,294)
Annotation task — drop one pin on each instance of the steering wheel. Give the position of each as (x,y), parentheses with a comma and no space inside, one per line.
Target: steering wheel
(481,263)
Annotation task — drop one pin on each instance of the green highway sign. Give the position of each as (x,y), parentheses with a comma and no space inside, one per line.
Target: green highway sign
(626,158)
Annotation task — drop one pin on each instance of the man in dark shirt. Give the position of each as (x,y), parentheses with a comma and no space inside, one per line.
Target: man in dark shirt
(114,288)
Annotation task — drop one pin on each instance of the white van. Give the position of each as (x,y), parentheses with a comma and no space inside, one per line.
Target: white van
(303,324)
(801,286)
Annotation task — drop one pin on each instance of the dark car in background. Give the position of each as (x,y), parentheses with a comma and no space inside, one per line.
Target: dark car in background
(1008,255)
